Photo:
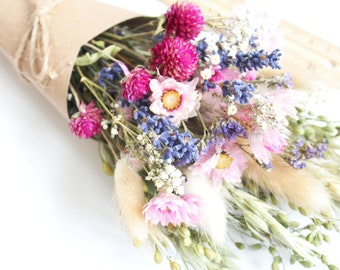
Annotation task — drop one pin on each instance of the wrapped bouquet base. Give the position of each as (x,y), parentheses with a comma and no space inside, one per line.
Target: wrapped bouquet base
(41,49)
(200,138)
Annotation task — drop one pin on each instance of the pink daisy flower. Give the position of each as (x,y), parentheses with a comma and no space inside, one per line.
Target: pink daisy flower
(273,135)
(284,101)
(136,84)
(221,161)
(265,142)
(195,204)
(87,122)
(175,58)
(168,208)
(169,97)
(184,19)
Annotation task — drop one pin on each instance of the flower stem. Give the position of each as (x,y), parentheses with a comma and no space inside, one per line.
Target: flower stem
(90,84)
(110,146)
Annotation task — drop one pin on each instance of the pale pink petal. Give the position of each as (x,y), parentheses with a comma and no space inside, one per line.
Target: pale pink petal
(207,164)
(168,208)
(184,92)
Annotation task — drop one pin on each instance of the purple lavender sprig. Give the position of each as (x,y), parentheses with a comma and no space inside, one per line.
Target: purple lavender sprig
(257,60)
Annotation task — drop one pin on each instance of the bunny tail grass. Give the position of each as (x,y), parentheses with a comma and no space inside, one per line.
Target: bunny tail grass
(300,188)
(214,208)
(129,193)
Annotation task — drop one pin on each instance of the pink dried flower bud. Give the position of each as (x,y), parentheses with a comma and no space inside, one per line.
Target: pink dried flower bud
(136,85)
(174,57)
(184,19)
(168,208)
(87,122)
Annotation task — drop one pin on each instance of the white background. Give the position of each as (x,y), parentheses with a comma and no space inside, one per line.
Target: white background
(56,209)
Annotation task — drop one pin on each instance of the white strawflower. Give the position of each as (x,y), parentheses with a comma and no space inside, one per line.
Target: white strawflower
(215,59)
(232,109)
(206,73)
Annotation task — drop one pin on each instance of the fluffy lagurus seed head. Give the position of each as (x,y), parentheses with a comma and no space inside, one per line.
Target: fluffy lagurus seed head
(174,57)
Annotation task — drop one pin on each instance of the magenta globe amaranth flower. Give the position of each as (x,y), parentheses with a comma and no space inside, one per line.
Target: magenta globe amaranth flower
(87,122)
(184,19)
(136,84)
(175,58)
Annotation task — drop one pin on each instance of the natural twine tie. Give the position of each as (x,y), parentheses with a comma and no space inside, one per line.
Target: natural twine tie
(34,48)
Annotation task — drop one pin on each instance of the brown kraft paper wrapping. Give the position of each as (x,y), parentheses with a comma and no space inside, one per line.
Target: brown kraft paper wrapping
(69,25)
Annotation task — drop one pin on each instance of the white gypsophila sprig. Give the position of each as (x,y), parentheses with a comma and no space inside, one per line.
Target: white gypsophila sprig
(231,105)
(212,47)
(114,128)
(211,51)
(114,121)
(114,131)
(266,114)
(206,73)
(237,33)
(105,124)
(215,59)
(165,176)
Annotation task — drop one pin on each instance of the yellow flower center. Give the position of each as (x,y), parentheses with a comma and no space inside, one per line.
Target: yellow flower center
(224,161)
(171,99)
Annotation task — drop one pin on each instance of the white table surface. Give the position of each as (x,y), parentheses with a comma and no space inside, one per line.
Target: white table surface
(56,209)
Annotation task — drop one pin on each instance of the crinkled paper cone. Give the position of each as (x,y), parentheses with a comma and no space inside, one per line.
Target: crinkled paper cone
(70,24)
